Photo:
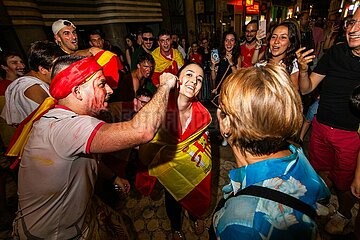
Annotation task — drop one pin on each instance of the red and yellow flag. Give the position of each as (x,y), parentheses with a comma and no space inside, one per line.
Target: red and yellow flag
(182,165)
(164,64)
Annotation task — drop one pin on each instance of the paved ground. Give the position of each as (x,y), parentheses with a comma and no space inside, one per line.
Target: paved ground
(147,217)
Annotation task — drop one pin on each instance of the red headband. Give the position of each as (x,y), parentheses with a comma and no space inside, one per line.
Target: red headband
(72,76)
(111,65)
(78,72)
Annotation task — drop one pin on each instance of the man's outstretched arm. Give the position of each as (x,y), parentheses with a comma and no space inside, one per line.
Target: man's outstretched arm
(142,128)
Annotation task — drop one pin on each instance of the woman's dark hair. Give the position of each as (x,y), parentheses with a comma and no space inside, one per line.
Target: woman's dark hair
(187,64)
(235,51)
(133,40)
(294,40)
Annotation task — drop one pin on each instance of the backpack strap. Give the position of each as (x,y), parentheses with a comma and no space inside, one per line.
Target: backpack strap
(271,194)
(274,195)
(279,197)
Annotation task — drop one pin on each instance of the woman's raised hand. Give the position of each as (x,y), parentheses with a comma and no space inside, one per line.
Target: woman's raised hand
(304,57)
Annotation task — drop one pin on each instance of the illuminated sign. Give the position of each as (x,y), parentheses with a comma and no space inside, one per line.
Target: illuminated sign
(249,3)
(253,9)
(235,2)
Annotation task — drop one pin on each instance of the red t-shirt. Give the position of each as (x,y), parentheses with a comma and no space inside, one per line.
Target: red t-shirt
(196,57)
(247,54)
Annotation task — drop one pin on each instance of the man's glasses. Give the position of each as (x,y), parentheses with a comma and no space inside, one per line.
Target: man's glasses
(148,39)
(350,23)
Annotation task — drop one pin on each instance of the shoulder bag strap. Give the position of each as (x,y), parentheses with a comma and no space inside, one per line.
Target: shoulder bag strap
(279,197)
(222,79)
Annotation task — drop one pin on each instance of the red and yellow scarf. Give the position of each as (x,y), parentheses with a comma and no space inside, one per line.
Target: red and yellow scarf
(181,162)
(165,64)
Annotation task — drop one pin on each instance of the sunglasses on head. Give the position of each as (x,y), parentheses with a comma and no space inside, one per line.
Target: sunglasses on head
(148,39)
(67,23)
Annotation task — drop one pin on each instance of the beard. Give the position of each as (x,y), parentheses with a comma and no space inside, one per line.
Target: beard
(252,40)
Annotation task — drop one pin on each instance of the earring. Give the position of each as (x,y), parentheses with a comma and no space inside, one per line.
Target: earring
(226,135)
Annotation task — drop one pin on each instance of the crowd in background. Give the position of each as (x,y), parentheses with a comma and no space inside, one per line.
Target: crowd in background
(310,51)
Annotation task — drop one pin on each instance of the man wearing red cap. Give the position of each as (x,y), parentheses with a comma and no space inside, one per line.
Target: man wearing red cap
(57,171)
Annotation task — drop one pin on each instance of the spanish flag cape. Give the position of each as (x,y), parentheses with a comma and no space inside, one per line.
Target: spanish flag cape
(181,162)
(165,64)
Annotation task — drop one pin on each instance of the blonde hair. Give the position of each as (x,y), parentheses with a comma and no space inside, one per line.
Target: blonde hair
(264,108)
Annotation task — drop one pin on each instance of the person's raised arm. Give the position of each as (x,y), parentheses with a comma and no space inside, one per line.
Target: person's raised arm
(142,128)
(330,37)
(213,69)
(355,185)
(258,55)
(307,83)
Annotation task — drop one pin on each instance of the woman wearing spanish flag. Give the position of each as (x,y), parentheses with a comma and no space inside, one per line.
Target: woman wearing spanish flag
(179,156)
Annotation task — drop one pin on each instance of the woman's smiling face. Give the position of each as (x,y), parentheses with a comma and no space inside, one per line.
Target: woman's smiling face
(191,78)
(279,41)
(229,42)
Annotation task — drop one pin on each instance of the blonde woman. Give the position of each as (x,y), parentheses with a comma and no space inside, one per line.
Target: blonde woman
(259,112)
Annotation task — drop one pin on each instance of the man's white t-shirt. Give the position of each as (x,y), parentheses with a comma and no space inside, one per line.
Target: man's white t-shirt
(56,176)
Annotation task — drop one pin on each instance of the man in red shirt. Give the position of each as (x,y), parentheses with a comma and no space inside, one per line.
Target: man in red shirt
(247,48)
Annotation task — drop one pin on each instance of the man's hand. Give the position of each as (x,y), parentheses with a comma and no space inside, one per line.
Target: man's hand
(260,35)
(355,187)
(122,185)
(88,52)
(229,59)
(94,50)
(168,80)
(304,58)
(334,28)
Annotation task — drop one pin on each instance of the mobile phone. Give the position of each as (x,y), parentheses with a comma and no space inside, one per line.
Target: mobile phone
(262,26)
(215,55)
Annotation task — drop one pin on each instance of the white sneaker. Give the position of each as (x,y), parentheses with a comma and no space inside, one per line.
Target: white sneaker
(336,224)
(224,143)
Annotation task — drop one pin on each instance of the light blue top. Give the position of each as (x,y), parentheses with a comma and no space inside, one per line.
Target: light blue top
(250,217)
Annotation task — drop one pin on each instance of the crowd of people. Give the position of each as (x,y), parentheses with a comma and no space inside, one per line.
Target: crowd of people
(78,116)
